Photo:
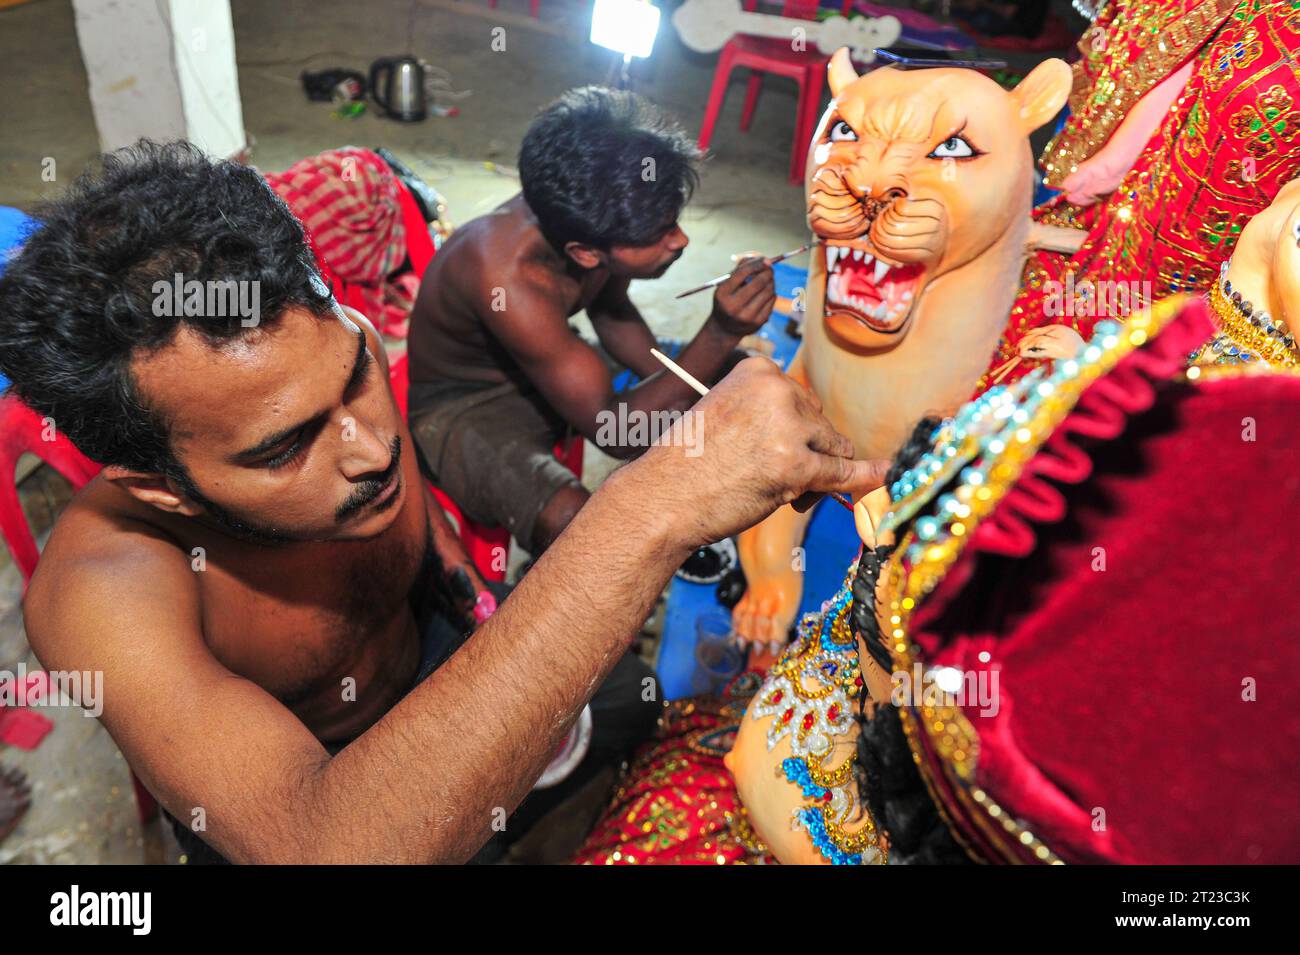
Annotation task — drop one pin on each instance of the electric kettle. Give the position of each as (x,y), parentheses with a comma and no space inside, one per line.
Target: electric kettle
(397,85)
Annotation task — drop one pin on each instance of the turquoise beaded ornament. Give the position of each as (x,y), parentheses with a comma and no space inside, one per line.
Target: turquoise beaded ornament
(980,432)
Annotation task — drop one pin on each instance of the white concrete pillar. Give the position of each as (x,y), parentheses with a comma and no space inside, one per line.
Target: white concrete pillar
(164,69)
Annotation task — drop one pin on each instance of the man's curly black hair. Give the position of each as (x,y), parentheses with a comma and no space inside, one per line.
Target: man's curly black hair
(604,167)
(77,301)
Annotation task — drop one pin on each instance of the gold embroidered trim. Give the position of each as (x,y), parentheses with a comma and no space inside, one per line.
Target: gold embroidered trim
(1098,107)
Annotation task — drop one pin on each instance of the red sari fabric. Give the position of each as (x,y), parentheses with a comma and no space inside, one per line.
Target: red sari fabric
(678,803)
(365,229)
(1224,149)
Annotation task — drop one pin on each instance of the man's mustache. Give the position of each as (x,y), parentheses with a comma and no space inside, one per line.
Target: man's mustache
(670,263)
(367,491)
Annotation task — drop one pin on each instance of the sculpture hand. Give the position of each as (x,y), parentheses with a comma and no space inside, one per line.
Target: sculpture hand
(1094,179)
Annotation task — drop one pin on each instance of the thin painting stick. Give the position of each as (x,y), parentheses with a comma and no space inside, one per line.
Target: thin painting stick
(700,389)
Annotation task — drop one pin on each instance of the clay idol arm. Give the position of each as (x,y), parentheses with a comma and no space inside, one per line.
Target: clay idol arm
(1102,174)
(1054,238)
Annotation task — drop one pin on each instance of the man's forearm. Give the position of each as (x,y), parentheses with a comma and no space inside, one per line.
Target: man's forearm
(709,351)
(628,340)
(704,357)
(426,783)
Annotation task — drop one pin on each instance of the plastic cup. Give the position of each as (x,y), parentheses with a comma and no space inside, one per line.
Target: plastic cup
(717,658)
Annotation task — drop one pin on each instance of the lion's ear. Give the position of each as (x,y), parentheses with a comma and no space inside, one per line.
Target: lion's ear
(1042,93)
(840,71)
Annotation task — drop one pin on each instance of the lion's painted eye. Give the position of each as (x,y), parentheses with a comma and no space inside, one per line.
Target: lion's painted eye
(842,132)
(954,147)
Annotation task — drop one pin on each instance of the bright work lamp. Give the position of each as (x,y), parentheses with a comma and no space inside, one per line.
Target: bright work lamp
(625,26)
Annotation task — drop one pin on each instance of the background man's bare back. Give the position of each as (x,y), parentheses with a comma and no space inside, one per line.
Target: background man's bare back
(501,250)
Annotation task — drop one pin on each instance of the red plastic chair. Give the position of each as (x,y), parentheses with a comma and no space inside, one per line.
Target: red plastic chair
(487,547)
(22,430)
(766,55)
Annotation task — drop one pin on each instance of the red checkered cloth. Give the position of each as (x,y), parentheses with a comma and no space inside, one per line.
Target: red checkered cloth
(351,206)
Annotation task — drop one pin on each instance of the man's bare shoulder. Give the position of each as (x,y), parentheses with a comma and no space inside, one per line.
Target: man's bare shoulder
(502,249)
(467,246)
(104,565)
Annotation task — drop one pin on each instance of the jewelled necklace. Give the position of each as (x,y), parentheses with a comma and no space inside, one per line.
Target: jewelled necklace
(824,656)
(1246,334)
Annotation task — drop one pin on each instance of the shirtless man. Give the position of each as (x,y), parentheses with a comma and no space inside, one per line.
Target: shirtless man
(249,569)
(497,374)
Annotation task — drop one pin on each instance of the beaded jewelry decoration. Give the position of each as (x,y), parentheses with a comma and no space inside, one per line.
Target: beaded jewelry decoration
(1246,334)
(1088,9)
(824,656)
(979,429)
(997,433)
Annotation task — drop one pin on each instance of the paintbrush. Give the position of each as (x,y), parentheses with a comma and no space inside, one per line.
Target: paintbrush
(695,383)
(722,278)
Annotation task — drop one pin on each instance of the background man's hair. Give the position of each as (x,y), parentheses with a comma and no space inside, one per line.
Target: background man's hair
(605,167)
(77,301)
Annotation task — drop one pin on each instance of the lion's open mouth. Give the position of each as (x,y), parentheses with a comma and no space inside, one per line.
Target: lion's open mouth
(877,294)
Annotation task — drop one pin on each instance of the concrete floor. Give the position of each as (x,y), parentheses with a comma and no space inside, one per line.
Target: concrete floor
(82,807)
(744,201)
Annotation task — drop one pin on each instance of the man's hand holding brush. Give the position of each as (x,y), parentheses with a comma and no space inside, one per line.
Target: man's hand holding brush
(760,441)
(743,302)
